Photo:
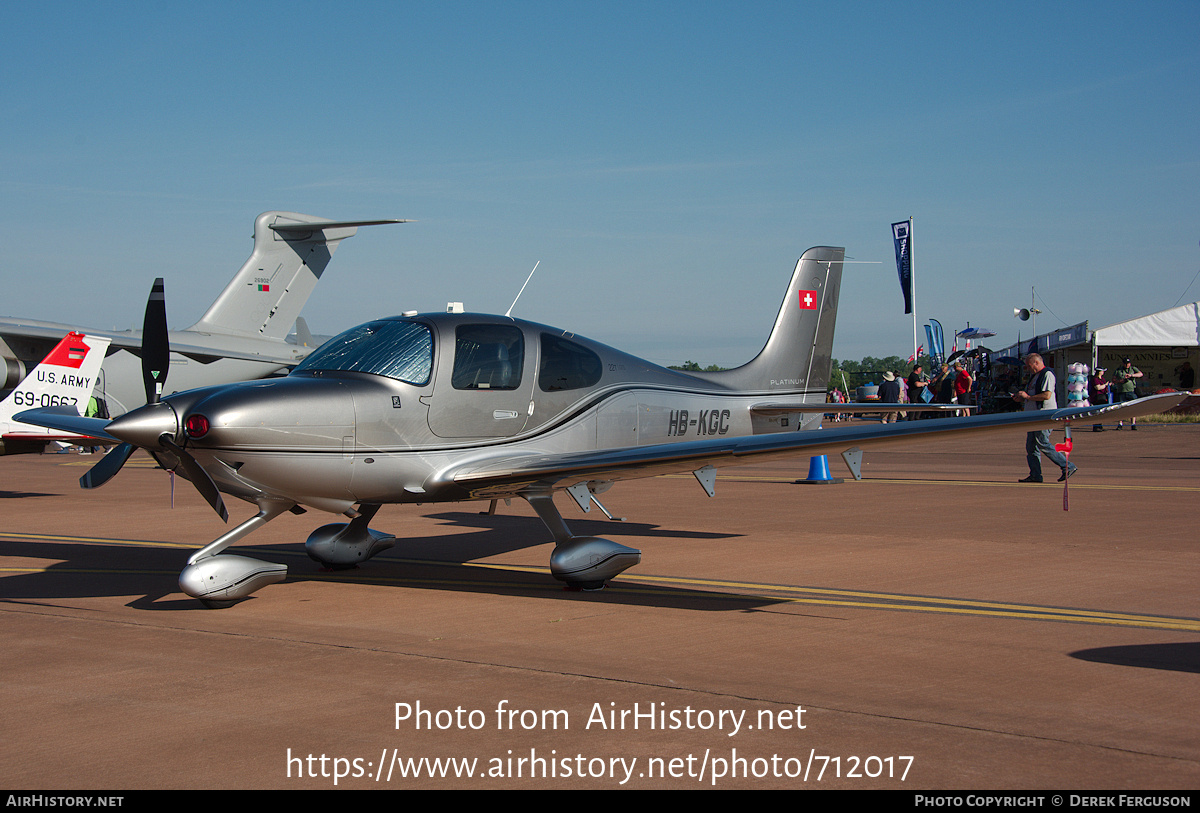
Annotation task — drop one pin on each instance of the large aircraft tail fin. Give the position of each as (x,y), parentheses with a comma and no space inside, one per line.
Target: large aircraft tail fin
(65,377)
(290,254)
(799,352)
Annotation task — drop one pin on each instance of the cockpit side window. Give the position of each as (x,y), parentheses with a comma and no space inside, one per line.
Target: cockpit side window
(488,357)
(567,365)
(390,347)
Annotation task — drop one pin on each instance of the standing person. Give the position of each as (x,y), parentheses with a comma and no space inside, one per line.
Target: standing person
(917,382)
(889,393)
(1039,394)
(1125,387)
(962,384)
(834,396)
(1099,392)
(945,386)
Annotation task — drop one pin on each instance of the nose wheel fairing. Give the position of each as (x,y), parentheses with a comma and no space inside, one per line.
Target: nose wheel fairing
(222,580)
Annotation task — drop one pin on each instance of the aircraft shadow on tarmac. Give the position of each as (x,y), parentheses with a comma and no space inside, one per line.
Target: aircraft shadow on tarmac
(429,562)
(1182,657)
(530,531)
(444,563)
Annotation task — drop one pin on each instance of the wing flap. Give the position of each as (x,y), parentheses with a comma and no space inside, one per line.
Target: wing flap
(829,409)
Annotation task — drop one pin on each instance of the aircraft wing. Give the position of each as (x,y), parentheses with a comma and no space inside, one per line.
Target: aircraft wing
(276,352)
(514,474)
(53,331)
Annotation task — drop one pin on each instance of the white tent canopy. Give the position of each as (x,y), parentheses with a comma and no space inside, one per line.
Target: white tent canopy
(1177,327)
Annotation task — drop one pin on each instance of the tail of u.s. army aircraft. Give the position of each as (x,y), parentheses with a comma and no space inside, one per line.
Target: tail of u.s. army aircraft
(65,377)
(799,351)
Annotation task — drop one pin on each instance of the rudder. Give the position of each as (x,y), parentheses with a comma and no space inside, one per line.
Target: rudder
(799,352)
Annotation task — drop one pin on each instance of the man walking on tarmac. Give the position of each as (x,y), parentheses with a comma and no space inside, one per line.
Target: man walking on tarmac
(1039,394)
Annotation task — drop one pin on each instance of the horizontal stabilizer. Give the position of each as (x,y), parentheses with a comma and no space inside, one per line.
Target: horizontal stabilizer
(302,228)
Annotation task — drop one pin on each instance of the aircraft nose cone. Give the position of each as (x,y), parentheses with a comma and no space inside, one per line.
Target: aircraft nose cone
(145,425)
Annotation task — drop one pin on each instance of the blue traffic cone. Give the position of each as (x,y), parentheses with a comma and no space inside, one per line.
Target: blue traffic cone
(818,472)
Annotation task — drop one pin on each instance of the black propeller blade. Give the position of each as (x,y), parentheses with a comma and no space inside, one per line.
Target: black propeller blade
(156,351)
(107,466)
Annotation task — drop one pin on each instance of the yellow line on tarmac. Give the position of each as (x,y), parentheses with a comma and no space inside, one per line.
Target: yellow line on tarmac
(94,540)
(87,571)
(896,601)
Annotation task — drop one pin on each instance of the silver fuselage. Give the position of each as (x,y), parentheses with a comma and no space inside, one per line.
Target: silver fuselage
(331,438)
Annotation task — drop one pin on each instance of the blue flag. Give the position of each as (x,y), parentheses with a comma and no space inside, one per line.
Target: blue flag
(900,236)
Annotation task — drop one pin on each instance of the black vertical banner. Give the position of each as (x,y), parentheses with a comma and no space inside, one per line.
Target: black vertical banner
(900,236)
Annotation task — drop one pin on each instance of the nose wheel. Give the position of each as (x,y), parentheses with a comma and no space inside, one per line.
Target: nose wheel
(221,581)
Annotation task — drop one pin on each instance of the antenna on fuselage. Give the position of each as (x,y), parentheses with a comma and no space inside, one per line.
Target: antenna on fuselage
(514,304)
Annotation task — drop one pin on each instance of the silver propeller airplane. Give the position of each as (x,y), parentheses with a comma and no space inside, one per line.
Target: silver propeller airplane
(243,334)
(442,407)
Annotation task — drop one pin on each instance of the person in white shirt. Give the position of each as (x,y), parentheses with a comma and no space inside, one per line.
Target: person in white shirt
(1039,394)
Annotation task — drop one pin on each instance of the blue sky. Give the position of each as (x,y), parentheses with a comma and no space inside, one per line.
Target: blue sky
(665,162)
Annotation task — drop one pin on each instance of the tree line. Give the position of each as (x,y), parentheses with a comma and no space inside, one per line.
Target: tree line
(857,373)
(870,370)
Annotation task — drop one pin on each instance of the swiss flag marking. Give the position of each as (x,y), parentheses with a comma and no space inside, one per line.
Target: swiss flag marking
(808,300)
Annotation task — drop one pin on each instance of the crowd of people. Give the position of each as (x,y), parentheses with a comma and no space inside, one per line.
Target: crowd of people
(995,389)
(1005,389)
(951,385)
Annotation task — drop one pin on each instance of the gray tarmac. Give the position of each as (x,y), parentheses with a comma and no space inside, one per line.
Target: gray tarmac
(934,626)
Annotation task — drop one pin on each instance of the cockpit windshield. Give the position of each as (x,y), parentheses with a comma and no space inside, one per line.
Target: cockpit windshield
(395,348)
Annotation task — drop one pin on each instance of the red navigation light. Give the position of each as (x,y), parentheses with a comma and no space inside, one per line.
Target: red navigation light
(195,426)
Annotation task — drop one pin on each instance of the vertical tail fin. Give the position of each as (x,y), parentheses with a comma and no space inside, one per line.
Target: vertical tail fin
(799,352)
(290,254)
(65,377)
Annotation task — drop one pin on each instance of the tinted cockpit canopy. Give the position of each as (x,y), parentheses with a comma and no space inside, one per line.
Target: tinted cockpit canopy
(396,348)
